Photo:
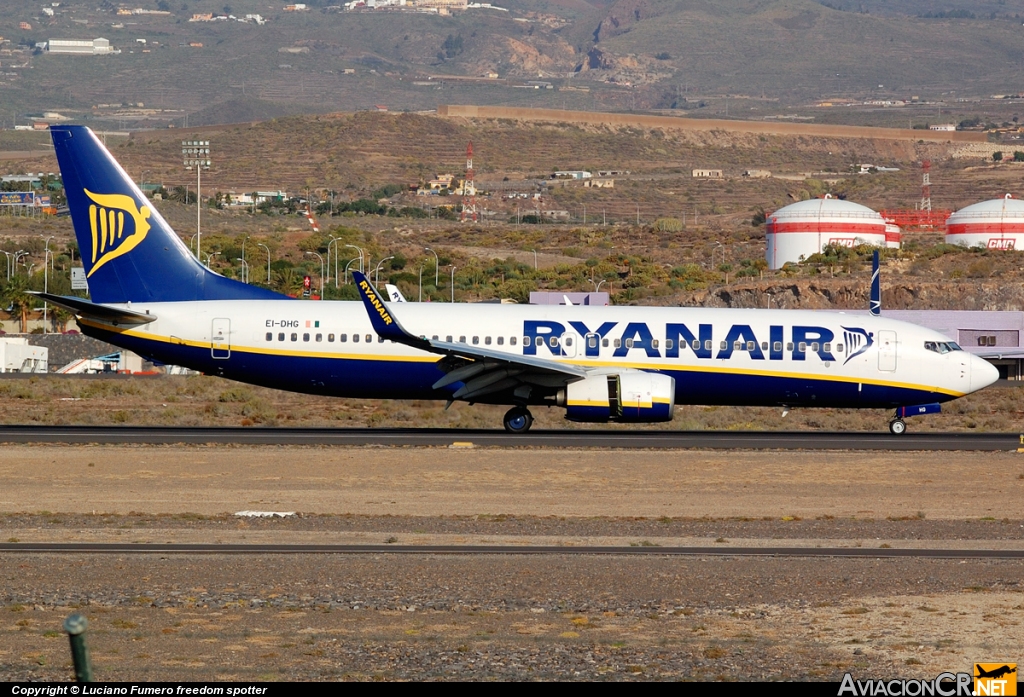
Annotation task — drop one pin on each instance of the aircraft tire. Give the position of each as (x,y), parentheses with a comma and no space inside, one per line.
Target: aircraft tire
(518,420)
(897,427)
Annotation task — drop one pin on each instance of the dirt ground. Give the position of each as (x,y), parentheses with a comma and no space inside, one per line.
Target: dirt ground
(400,617)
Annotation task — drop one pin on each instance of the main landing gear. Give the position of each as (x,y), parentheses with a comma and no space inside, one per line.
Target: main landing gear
(518,420)
(897,427)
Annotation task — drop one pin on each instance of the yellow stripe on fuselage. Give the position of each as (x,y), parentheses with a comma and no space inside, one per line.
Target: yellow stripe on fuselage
(586,363)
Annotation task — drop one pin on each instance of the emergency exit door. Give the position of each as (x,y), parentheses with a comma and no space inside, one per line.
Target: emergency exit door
(220,338)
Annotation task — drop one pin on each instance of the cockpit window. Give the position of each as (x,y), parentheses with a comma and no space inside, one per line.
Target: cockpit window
(942,346)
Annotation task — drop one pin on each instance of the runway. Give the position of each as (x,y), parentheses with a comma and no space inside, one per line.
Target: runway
(478,550)
(605,439)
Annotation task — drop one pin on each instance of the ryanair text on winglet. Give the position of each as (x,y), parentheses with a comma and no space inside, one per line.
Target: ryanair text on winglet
(377,304)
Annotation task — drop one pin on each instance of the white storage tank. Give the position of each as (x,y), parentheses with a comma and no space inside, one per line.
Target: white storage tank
(995,224)
(893,236)
(801,229)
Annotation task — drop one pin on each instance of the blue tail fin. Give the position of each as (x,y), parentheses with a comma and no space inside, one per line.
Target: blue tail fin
(129,251)
(876,288)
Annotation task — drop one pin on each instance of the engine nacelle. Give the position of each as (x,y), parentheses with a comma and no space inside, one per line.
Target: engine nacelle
(633,396)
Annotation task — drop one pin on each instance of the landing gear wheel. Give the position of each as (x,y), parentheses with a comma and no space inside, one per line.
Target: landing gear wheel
(897,427)
(518,420)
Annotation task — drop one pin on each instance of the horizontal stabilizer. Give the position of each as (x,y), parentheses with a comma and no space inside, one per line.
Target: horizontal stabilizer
(101,313)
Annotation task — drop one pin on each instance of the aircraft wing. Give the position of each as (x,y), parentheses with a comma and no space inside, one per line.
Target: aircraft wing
(483,370)
(100,313)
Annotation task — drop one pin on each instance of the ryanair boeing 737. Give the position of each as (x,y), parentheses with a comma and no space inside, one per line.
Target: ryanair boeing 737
(626,364)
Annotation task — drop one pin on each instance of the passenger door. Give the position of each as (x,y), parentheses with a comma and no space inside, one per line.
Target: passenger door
(887,351)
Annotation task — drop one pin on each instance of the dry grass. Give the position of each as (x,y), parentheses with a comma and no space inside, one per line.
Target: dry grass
(211,401)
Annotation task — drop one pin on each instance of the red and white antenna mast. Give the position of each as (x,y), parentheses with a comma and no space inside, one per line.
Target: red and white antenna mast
(926,186)
(469,189)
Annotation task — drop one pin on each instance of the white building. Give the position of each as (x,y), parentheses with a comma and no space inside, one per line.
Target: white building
(96,47)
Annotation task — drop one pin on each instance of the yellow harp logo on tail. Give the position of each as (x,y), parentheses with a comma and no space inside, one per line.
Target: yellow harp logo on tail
(107,224)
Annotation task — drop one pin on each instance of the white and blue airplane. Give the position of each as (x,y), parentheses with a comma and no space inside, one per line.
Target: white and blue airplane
(626,364)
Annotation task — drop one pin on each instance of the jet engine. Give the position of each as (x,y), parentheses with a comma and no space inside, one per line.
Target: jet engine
(631,396)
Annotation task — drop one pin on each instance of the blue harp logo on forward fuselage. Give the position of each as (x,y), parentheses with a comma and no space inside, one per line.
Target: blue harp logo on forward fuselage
(117,223)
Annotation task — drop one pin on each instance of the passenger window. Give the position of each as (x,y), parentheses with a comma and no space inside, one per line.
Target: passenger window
(695,345)
(295,337)
(462,339)
(343,338)
(487,341)
(669,343)
(814,346)
(280,337)
(629,343)
(737,346)
(568,341)
(355,338)
(512,341)
(380,339)
(526,341)
(789,346)
(707,345)
(553,342)
(827,348)
(501,341)
(618,343)
(839,348)
(654,343)
(723,346)
(802,346)
(270,336)
(751,345)
(434,337)
(777,346)
(476,340)
(448,338)
(764,345)
(604,342)
(305,337)
(330,338)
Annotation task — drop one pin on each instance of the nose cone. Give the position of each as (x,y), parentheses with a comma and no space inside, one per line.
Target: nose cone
(983,373)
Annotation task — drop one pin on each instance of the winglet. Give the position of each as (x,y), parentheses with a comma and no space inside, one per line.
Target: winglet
(876,288)
(384,323)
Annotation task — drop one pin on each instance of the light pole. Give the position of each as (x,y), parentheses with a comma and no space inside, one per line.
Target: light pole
(345,272)
(196,153)
(437,262)
(268,260)
(333,241)
(191,244)
(360,256)
(245,267)
(376,271)
(8,255)
(597,286)
(453,284)
(535,266)
(46,279)
(209,256)
(321,272)
(584,214)
(18,255)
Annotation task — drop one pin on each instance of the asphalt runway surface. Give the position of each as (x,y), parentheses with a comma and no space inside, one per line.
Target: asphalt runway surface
(478,550)
(667,440)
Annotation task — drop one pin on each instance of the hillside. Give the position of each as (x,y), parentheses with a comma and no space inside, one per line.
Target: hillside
(744,58)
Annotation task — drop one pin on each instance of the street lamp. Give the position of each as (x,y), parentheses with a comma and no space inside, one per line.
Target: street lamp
(196,153)
(597,286)
(333,241)
(17,256)
(210,256)
(535,266)
(376,271)
(360,256)
(453,284)
(245,267)
(345,272)
(46,278)
(437,262)
(321,272)
(268,260)
(8,255)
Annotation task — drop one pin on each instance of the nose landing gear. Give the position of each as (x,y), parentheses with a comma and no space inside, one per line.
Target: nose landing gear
(897,427)
(518,420)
